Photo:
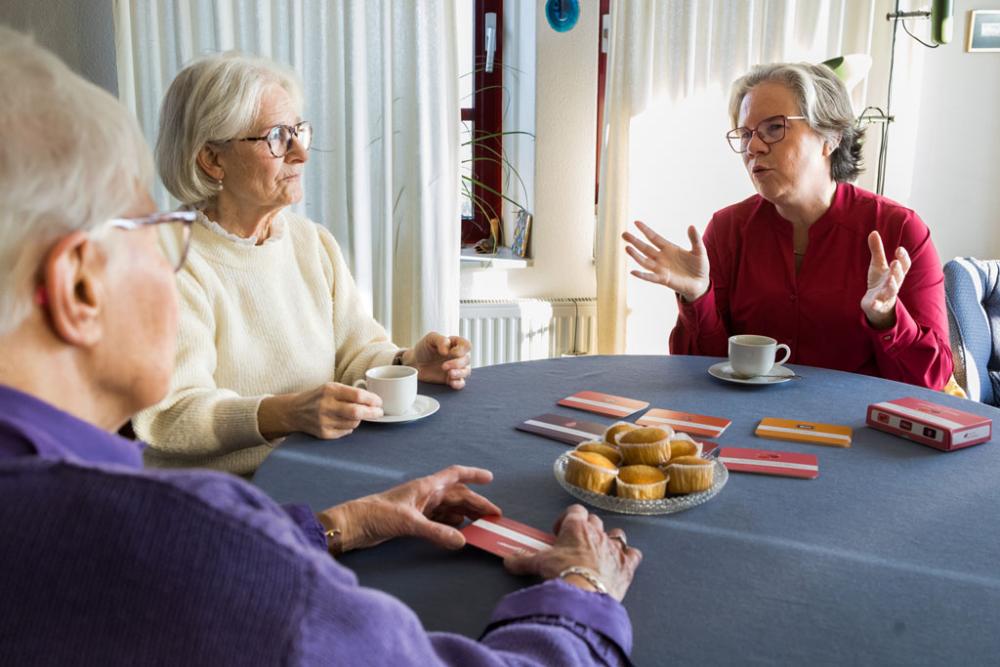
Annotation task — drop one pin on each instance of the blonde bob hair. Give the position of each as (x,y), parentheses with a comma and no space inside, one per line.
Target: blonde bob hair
(822,99)
(71,158)
(214,99)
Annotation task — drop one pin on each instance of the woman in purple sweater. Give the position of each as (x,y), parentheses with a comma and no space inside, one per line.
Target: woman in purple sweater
(102,562)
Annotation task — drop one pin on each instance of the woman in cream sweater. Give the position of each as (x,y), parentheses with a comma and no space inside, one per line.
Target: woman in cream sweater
(272,328)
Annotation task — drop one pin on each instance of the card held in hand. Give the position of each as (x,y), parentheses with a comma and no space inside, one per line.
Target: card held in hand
(604,404)
(503,536)
(763,462)
(564,429)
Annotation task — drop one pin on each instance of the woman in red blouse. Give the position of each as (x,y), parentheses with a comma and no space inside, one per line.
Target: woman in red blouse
(804,260)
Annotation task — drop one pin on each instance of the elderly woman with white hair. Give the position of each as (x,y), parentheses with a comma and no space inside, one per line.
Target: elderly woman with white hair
(105,563)
(273,331)
(803,261)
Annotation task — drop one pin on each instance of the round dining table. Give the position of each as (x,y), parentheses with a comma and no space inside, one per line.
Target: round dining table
(890,556)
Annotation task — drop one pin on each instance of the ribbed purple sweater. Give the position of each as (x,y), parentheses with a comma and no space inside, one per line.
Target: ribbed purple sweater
(102,562)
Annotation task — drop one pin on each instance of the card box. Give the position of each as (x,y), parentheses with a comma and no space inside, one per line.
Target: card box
(802,431)
(686,422)
(564,429)
(930,424)
(604,404)
(763,462)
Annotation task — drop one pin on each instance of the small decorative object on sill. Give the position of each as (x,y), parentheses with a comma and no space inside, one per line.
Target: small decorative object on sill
(522,230)
(489,246)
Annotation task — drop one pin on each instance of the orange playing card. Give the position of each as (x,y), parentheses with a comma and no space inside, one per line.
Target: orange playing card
(801,431)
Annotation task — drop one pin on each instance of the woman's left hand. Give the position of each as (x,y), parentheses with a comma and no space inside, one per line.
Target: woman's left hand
(428,507)
(884,283)
(441,359)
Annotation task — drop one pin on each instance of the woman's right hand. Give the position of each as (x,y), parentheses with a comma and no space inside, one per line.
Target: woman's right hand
(684,271)
(331,410)
(581,541)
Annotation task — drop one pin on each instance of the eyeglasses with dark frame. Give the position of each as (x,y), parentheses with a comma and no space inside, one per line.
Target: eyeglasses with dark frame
(279,138)
(176,255)
(770,130)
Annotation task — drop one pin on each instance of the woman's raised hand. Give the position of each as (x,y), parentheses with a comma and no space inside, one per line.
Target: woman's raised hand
(665,263)
(428,507)
(884,282)
(581,541)
(441,359)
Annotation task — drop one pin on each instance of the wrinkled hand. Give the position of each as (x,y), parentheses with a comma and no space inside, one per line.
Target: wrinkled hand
(331,410)
(684,271)
(581,540)
(441,359)
(884,283)
(428,507)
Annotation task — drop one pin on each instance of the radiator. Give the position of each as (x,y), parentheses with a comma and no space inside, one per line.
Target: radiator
(525,329)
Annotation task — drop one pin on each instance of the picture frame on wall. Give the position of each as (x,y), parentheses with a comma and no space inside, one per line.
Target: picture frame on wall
(522,230)
(984,30)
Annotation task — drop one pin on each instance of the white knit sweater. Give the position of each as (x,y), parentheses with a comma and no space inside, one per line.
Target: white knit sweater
(256,320)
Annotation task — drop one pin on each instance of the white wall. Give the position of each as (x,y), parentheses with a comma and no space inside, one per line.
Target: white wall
(80,32)
(562,235)
(956,170)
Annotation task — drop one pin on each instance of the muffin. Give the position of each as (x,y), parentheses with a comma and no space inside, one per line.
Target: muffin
(607,451)
(618,427)
(649,446)
(682,444)
(690,474)
(641,483)
(591,471)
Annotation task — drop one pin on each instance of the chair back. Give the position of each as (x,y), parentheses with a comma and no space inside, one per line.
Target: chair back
(972,295)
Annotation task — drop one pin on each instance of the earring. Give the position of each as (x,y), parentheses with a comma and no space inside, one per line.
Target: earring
(219,183)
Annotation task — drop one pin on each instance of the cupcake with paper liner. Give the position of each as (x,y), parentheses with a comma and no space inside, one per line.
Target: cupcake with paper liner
(690,474)
(682,444)
(648,446)
(611,435)
(591,471)
(641,482)
(604,449)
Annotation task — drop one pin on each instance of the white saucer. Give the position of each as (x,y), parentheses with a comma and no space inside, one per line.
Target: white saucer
(424,406)
(724,371)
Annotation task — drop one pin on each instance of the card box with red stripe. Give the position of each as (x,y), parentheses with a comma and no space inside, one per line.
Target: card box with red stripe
(764,462)
(686,422)
(929,423)
(604,404)
(503,536)
(564,429)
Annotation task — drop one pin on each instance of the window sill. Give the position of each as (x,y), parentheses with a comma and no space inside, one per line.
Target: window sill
(503,259)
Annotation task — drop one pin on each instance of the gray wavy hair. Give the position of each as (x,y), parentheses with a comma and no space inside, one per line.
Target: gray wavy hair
(822,99)
(71,157)
(213,99)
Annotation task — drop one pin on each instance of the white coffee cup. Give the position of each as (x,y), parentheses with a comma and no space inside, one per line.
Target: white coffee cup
(754,355)
(395,385)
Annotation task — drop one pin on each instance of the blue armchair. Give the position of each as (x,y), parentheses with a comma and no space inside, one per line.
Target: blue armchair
(972,294)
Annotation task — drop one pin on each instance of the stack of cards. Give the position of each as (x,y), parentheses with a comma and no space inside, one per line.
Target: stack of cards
(801,431)
(604,404)
(709,427)
(563,429)
(784,464)
(503,536)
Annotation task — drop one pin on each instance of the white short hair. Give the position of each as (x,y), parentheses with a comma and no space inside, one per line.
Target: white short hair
(214,99)
(71,157)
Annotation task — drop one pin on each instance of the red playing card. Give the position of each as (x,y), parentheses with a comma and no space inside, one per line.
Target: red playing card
(564,429)
(686,422)
(784,464)
(604,404)
(503,536)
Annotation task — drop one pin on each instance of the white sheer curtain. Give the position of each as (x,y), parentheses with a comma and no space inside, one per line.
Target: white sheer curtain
(381,89)
(665,160)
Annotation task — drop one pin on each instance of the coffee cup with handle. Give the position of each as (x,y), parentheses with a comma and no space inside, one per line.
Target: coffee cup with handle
(395,385)
(753,356)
